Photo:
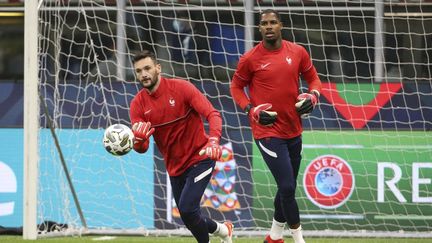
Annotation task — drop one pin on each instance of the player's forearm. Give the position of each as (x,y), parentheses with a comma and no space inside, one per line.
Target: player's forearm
(215,124)
(313,81)
(238,94)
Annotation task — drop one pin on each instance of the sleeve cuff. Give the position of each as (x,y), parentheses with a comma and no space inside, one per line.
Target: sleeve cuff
(315,92)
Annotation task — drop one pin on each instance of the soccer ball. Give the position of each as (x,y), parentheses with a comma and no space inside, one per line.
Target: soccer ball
(118,139)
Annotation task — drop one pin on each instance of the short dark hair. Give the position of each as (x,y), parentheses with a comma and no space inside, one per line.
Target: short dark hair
(268,11)
(144,54)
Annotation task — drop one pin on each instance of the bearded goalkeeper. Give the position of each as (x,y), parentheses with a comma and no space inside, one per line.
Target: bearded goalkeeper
(171,110)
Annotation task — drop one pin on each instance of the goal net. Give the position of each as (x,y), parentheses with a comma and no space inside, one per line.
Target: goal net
(367,157)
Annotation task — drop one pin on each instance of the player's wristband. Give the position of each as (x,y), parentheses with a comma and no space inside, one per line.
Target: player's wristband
(248,108)
(316,93)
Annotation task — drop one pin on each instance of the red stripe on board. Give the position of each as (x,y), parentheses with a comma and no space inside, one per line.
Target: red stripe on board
(359,115)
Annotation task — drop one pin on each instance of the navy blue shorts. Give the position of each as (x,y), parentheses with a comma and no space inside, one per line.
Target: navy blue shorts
(283,157)
(189,187)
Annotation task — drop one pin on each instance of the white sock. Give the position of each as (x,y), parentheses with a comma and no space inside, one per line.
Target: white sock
(221,230)
(276,230)
(297,235)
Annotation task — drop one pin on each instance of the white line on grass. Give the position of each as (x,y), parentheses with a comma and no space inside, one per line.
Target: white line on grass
(104,238)
(404,217)
(337,146)
(403,147)
(332,216)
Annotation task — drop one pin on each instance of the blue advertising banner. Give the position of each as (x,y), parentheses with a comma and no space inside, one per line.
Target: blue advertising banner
(113,191)
(11,177)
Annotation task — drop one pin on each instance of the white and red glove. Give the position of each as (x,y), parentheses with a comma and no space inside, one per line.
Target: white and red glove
(306,102)
(262,114)
(142,132)
(212,149)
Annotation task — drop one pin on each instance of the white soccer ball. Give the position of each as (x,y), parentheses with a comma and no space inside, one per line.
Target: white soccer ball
(118,139)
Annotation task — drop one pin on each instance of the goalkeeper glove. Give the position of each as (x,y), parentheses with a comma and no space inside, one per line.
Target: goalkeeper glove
(142,132)
(306,102)
(212,149)
(261,114)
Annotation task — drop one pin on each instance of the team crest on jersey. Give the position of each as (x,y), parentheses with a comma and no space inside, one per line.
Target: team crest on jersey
(172,101)
(328,181)
(288,59)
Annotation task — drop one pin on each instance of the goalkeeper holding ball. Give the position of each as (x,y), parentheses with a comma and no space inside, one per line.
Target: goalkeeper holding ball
(271,71)
(171,111)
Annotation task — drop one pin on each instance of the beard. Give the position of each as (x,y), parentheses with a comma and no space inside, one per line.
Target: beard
(152,84)
(270,41)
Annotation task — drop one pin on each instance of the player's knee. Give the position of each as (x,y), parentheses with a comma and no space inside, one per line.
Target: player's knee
(185,211)
(189,212)
(185,207)
(287,191)
(190,218)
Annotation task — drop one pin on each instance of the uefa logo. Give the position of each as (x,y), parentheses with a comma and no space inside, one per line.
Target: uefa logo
(328,181)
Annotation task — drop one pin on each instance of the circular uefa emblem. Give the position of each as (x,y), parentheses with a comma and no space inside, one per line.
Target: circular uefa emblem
(328,181)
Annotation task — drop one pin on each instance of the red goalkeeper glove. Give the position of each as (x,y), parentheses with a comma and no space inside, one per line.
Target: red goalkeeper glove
(212,149)
(142,132)
(261,114)
(306,102)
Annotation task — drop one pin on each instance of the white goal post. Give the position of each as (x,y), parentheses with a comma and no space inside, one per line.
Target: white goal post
(367,156)
(31,120)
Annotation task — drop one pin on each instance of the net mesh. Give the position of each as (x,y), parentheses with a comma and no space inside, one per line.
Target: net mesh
(367,147)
